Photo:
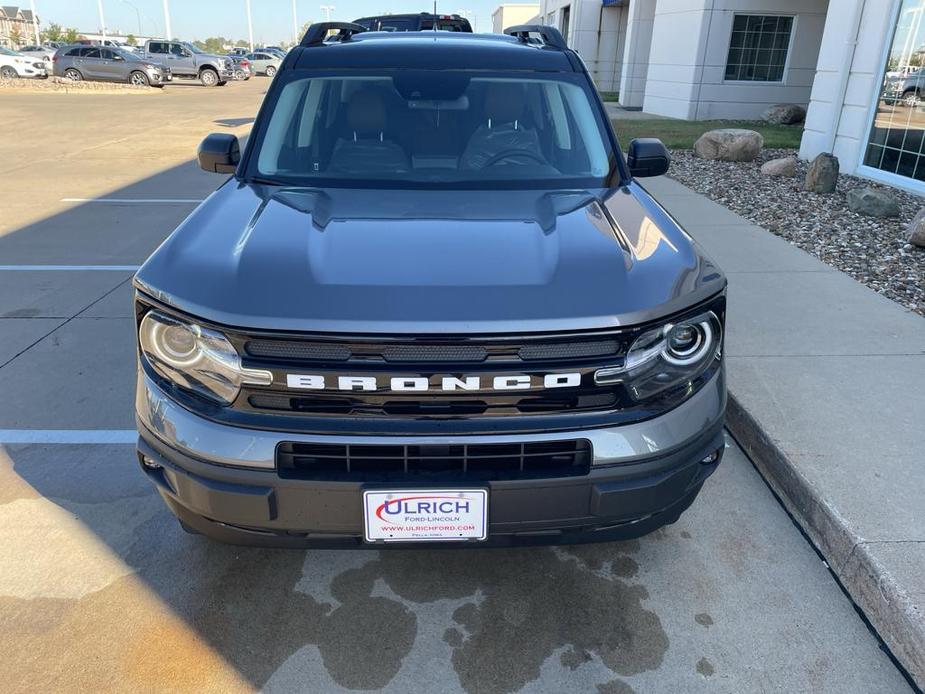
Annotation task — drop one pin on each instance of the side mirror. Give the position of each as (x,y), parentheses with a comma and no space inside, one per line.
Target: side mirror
(119,58)
(647,156)
(219,153)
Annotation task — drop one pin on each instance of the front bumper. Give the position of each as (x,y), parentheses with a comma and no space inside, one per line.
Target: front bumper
(221,481)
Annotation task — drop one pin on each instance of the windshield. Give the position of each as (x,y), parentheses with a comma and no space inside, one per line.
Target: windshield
(442,128)
(127,54)
(7,51)
(193,48)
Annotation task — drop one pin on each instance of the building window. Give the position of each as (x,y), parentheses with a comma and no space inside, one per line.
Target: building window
(564,17)
(896,136)
(758,48)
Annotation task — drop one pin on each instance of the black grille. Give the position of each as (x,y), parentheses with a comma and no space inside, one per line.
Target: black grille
(415,463)
(434,406)
(477,352)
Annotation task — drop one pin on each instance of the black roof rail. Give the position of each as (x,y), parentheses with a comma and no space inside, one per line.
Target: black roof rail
(318,32)
(550,35)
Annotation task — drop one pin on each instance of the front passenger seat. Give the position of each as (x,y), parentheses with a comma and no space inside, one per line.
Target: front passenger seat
(366,149)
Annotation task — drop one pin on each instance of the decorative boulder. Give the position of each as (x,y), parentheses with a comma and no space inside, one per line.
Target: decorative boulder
(822,174)
(785,166)
(872,202)
(784,114)
(917,229)
(729,144)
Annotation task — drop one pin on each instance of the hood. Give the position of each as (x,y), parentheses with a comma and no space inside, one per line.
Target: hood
(438,262)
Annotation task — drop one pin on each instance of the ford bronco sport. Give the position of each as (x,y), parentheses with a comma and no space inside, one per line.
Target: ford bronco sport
(431,304)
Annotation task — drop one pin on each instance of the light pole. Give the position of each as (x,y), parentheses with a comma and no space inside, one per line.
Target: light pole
(137,14)
(167,20)
(35,22)
(295,24)
(250,26)
(99,4)
(327,9)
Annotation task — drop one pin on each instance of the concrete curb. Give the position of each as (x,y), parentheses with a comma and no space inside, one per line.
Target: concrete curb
(877,591)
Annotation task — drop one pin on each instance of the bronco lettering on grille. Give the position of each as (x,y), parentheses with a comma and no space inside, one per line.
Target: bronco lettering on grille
(437,383)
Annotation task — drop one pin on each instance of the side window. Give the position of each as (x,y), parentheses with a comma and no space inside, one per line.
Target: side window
(157,47)
(92,53)
(75,52)
(177,49)
(107,54)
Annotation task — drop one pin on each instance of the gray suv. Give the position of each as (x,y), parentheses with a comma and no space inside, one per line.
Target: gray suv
(108,65)
(432,303)
(188,62)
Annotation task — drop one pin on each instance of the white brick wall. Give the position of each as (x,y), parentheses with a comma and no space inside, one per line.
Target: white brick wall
(687,60)
(865,74)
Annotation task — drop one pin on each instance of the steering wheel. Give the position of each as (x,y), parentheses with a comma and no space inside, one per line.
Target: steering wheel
(506,154)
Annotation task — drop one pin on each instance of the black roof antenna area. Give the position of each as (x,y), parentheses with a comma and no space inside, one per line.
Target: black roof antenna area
(550,35)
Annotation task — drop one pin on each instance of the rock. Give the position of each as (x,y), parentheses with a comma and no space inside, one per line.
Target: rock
(822,174)
(916,229)
(872,202)
(729,144)
(784,114)
(785,166)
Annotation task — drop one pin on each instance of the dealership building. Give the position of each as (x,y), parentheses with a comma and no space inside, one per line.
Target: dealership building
(849,62)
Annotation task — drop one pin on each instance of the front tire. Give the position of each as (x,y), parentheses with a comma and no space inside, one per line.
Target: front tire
(911,99)
(139,79)
(73,74)
(8,72)
(208,77)
(271,71)
(239,75)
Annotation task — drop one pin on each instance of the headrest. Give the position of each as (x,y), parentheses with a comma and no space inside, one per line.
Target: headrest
(504,103)
(366,113)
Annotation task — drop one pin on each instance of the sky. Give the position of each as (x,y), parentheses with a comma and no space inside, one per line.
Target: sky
(199,19)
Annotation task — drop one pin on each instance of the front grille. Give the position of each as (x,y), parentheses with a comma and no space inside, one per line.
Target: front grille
(493,351)
(327,358)
(431,462)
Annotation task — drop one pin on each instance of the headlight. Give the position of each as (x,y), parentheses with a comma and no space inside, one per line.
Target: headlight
(196,358)
(668,356)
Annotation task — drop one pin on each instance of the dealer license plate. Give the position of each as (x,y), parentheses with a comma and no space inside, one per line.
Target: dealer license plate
(431,515)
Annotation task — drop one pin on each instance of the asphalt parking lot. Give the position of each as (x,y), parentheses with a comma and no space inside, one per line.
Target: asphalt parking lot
(100,589)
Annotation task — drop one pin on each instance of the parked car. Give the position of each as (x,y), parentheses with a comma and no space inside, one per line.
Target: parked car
(423,21)
(243,68)
(13,64)
(240,51)
(99,63)
(186,61)
(265,63)
(42,53)
(433,305)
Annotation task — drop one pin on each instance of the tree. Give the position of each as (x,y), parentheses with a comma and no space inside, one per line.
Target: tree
(52,33)
(16,37)
(130,40)
(71,35)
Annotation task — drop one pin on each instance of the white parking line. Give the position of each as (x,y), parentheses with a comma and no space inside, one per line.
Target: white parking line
(65,436)
(136,201)
(69,268)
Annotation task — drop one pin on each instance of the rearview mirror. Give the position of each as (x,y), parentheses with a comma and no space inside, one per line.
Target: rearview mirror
(647,156)
(219,153)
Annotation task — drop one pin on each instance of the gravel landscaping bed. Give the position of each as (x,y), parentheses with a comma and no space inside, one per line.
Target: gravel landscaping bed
(872,250)
(59,85)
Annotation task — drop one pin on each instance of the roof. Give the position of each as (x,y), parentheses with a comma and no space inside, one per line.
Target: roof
(434,50)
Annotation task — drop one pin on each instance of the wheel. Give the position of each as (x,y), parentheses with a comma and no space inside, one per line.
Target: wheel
(271,70)
(73,74)
(139,79)
(240,75)
(911,99)
(208,77)
(8,72)
(222,83)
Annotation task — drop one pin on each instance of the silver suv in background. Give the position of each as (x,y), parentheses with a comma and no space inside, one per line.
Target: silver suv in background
(188,62)
(108,65)
(265,62)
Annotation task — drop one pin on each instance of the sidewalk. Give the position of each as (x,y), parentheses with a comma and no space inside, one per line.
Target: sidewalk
(827,396)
